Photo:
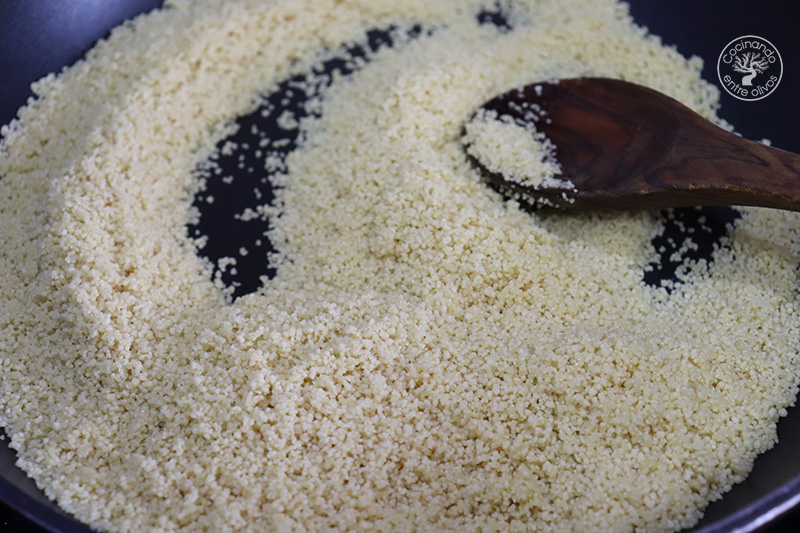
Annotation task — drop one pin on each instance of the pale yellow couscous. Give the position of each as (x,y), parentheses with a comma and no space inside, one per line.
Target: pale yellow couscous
(429,356)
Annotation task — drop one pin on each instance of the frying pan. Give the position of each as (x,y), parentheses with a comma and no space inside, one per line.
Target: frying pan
(41,36)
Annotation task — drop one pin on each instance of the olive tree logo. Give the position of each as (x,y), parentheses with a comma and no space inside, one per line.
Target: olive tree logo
(752,64)
(749,68)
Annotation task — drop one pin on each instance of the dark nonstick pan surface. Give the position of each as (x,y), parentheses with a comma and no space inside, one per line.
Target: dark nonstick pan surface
(41,36)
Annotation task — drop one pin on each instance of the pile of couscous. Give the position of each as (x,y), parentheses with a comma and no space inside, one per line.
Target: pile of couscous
(514,150)
(429,356)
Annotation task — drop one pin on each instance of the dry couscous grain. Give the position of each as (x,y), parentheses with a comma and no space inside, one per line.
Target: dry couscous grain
(428,357)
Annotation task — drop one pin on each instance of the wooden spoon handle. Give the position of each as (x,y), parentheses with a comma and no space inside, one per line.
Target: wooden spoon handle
(726,169)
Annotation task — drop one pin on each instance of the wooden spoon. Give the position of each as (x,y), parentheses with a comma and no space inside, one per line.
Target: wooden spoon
(624,146)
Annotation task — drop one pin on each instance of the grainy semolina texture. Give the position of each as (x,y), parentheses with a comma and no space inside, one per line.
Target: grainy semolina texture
(429,357)
(514,149)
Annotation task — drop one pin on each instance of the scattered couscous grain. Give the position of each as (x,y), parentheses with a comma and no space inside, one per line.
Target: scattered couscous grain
(429,357)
